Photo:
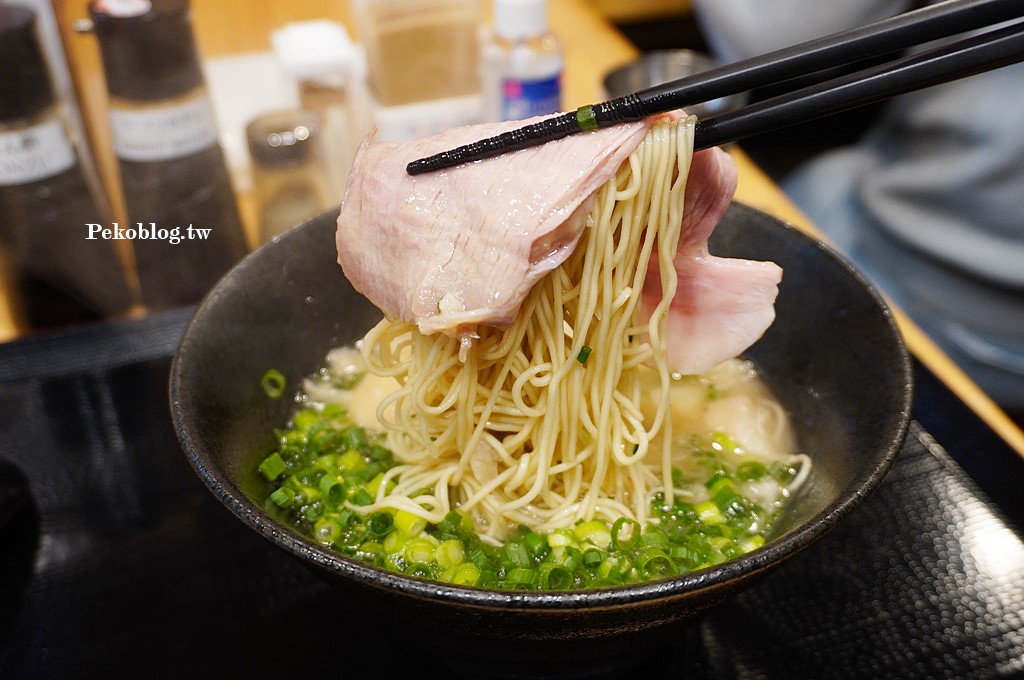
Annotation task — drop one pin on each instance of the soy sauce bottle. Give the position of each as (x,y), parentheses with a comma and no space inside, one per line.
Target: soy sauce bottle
(48,197)
(178,195)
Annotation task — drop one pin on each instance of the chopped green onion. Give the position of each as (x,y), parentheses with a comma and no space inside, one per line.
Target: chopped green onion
(273,383)
(655,563)
(609,567)
(326,530)
(516,553)
(619,542)
(332,411)
(726,546)
(560,538)
(419,550)
(536,544)
(395,542)
(465,574)
(584,354)
(334,489)
(450,553)
(409,524)
(326,468)
(720,441)
(592,558)
(723,491)
(305,419)
(373,486)
(456,522)
(709,513)
(351,461)
(586,118)
(314,510)
(595,531)
(354,437)
(569,557)
(273,466)
(555,577)
(687,556)
(369,551)
(283,497)
(751,470)
(303,493)
(361,497)
(379,523)
(751,543)
(394,562)
(654,536)
(781,472)
(677,478)
(521,577)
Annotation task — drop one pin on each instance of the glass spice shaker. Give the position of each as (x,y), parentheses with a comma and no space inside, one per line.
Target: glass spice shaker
(51,204)
(322,59)
(178,193)
(289,179)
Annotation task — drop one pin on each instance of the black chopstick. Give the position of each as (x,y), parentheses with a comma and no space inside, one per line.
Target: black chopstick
(966,57)
(884,37)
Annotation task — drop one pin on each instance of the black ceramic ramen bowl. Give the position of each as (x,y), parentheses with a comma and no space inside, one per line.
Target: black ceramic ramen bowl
(833,357)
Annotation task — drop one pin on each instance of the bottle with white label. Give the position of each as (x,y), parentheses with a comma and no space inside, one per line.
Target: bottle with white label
(56,274)
(522,63)
(181,206)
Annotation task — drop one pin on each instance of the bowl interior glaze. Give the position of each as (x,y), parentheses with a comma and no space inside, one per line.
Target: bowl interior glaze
(833,356)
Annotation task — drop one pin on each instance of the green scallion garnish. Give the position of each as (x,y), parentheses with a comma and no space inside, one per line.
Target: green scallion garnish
(273,466)
(273,383)
(586,118)
(584,354)
(327,469)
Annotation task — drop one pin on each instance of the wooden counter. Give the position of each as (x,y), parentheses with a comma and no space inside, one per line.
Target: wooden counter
(593,47)
(633,11)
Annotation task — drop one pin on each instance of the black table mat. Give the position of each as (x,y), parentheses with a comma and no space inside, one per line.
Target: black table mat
(122,565)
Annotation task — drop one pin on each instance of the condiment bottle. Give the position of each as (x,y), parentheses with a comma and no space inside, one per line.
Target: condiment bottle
(522,63)
(63,271)
(178,193)
(420,50)
(289,180)
(322,59)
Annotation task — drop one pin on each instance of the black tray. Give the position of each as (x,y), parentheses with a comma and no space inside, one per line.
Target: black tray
(115,561)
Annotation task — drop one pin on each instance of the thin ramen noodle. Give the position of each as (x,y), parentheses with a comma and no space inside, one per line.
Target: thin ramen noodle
(571,413)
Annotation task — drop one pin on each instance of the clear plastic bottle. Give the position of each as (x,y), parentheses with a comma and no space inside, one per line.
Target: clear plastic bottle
(522,63)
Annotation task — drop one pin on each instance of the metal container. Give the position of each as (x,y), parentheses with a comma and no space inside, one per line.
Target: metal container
(662,66)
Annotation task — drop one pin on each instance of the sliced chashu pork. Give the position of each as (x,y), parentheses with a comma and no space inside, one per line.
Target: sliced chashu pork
(722,305)
(452,249)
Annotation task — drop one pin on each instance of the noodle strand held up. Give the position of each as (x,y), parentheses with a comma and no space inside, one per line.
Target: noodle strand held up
(538,422)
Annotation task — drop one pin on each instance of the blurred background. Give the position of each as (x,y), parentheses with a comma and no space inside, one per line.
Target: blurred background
(129,121)
(123,123)
(237,118)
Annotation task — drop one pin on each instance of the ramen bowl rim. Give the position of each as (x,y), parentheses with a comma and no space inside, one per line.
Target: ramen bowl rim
(706,580)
